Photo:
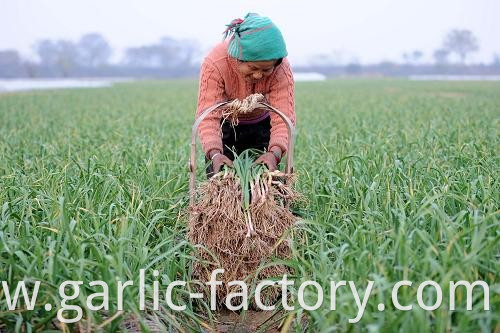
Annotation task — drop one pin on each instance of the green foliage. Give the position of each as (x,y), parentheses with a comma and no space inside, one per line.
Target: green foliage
(401,181)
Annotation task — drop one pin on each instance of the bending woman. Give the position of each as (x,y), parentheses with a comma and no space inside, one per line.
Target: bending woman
(253,60)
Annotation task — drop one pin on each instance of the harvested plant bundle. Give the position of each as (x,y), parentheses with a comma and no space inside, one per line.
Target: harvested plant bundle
(237,107)
(239,221)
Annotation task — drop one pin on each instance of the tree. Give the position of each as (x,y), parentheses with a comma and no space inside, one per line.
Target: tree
(496,60)
(179,52)
(413,57)
(30,68)
(68,55)
(461,42)
(10,64)
(417,55)
(149,56)
(407,57)
(47,52)
(168,53)
(441,56)
(59,54)
(93,50)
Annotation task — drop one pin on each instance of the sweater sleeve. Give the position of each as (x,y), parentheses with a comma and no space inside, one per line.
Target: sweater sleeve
(281,96)
(211,91)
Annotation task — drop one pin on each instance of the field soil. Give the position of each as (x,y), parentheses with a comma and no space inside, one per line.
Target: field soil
(251,321)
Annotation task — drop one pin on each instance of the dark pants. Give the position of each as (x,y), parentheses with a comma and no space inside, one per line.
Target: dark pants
(242,137)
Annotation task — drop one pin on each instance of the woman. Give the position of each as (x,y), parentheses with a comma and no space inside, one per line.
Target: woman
(252,61)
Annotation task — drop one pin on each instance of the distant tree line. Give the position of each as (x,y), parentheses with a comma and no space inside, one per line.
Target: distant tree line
(460,43)
(91,55)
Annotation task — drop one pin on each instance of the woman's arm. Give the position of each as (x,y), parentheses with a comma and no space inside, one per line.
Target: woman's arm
(282,97)
(211,91)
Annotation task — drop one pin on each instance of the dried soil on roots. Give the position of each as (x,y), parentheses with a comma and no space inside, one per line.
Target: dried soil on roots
(218,226)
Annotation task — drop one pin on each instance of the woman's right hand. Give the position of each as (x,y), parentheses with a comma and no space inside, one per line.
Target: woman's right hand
(219,159)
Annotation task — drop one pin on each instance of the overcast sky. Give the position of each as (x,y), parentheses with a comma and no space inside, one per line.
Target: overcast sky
(363,30)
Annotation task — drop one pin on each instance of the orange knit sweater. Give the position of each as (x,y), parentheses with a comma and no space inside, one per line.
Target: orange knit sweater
(220,81)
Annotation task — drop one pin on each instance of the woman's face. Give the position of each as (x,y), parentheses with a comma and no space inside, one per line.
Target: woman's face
(254,71)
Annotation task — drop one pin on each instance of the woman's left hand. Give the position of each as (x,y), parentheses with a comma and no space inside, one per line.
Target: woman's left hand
(269,159)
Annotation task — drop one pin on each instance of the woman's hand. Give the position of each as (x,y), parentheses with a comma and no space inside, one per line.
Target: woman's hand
(218,160)
(270,159)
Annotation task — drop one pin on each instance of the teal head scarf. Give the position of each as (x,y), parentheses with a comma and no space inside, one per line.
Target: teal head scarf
(255,38)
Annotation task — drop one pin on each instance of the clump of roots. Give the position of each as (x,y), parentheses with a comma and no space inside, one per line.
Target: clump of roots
(239,240)
(233,109)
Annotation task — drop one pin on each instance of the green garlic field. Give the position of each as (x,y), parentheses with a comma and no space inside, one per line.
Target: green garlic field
(401,181)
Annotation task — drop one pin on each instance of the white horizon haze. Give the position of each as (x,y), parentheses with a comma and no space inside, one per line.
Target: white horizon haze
(359,31)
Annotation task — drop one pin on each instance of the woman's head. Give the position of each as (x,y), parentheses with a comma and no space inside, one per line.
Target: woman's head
(257,40)
(256,70)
